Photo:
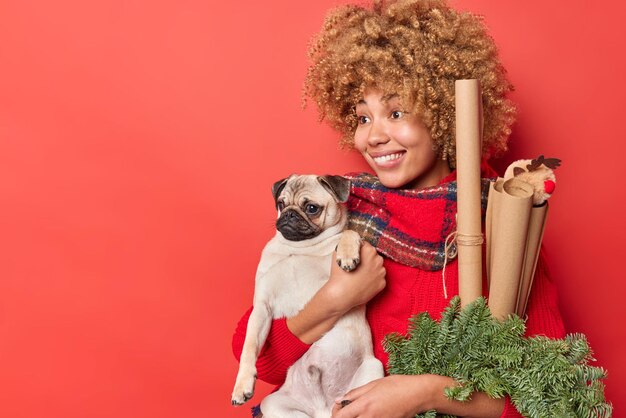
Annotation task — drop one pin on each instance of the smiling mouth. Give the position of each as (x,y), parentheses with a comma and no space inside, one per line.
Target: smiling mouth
(386,158)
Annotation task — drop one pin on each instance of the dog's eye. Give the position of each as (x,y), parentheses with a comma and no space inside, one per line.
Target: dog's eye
(280,205)
(312,209)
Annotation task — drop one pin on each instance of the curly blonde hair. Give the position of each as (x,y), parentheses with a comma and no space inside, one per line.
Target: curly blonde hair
(416,49)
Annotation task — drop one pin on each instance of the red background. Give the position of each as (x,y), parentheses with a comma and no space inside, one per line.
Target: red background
(138,143)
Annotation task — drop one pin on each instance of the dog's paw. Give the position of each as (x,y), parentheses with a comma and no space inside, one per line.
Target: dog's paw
(244,389)
(348,250)
(348,264)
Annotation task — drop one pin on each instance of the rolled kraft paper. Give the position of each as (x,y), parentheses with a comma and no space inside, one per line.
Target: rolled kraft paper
(468,142)
(507,254)
(533,243)
(495,193)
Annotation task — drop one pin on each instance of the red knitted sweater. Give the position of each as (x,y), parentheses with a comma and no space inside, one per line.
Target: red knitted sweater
(409,291)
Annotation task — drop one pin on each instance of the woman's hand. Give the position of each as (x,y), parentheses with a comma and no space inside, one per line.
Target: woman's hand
(349,289)
(403,396)
(395,396)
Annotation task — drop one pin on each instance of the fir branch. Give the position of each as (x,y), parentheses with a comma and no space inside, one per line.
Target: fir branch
(544,377)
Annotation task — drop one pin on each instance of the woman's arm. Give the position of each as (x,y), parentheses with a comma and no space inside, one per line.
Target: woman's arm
(342,292)
(280,351)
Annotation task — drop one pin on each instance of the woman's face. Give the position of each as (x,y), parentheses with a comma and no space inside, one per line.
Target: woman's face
(396,144)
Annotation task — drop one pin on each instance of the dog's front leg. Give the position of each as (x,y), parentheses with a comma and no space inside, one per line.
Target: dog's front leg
(256,333)
(348,250)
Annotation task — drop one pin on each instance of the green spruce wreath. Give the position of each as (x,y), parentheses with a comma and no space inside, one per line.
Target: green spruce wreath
(544,377)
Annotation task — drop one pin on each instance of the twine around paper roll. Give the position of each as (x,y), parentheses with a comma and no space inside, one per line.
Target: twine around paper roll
(450,250)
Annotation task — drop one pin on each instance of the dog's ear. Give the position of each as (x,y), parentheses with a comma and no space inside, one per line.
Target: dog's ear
(337,186)
(277,188)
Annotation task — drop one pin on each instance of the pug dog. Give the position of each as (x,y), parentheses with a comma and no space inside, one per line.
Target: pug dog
(294,265)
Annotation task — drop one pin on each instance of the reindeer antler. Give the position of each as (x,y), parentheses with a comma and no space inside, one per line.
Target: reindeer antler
(551,163)
(535,164)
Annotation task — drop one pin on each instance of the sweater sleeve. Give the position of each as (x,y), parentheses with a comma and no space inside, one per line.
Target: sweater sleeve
(543,316)
(280,351)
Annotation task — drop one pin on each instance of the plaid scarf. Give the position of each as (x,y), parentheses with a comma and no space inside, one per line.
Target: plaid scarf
(408,226)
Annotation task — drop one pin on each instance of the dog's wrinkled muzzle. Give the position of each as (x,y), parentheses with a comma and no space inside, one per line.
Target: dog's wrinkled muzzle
(294,227)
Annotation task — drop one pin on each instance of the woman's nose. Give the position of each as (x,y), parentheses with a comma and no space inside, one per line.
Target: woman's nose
(377,135)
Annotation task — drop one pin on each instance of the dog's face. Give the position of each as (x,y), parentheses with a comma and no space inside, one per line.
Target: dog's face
(308,204)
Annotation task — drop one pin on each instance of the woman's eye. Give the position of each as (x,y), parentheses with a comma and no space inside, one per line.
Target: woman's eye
(312,209)
(397,114)
(363,119)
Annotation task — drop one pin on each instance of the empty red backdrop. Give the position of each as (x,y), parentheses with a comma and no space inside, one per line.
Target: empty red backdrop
(138,143)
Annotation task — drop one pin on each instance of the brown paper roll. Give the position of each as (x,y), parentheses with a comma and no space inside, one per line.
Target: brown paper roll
(536,227)
(493,203)
(468,142)
(510,231)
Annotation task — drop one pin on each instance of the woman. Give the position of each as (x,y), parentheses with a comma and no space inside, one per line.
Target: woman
(384,78)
